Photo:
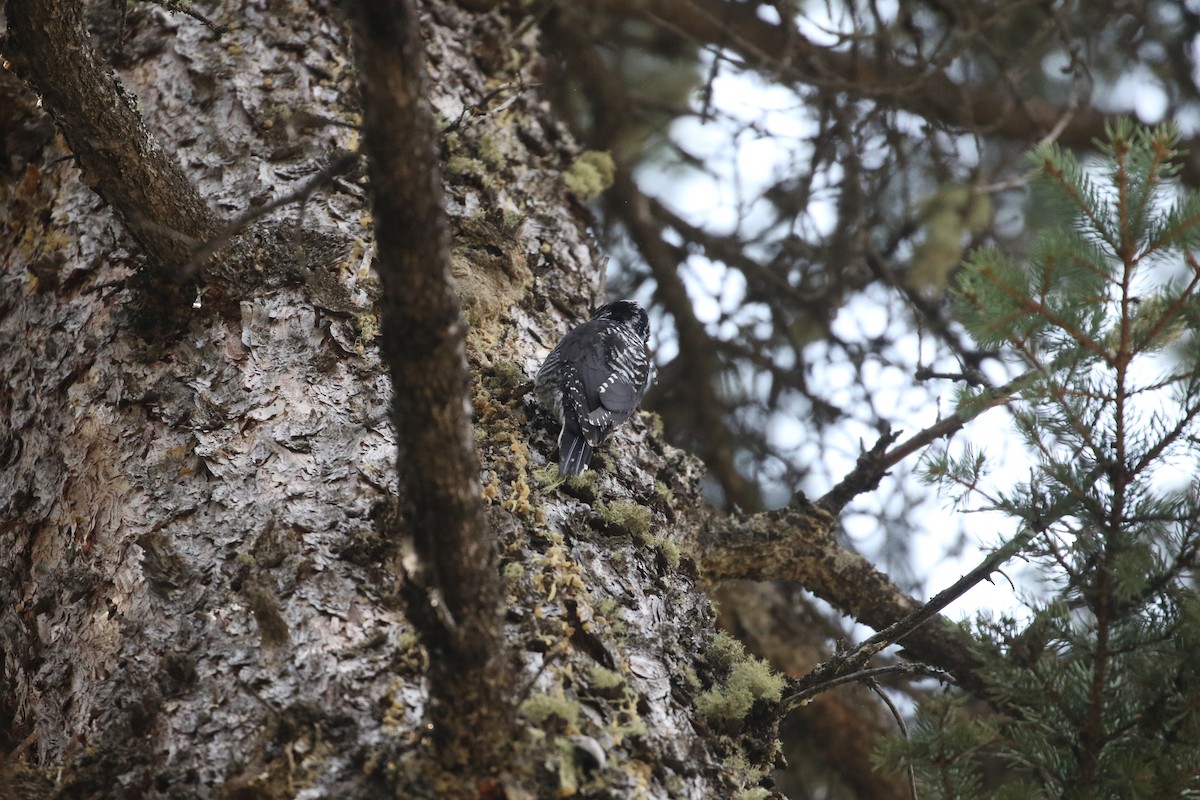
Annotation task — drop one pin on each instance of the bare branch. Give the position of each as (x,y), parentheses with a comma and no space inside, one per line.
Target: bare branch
(831,672)
(874,464)
(782,52)
(454,599)
(797,544)
(866,675)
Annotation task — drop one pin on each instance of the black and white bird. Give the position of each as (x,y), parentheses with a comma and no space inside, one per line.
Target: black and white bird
(595,378)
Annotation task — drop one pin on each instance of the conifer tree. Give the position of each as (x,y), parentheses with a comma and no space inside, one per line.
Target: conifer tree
(1097,689)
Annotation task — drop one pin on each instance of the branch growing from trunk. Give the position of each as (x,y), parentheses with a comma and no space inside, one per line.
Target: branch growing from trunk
(797,544)
(454,598)
(836,669)
(50,49)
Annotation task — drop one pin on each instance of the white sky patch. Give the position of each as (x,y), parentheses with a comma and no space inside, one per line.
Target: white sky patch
(752,142)
(1141,90)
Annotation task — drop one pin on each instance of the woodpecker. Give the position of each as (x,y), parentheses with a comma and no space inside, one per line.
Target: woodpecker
(595,378)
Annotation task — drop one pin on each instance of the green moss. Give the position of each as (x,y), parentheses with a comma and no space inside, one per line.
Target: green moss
(629,517)
(540,708)
(607,607)
(753,793)
(635,727)
(489,151)
(471,167)
(600,462)
(509,375)
(689,678)
(591,174)
(545,476)
(568,770)
(462,165)
(664,491)
(736,764)
(656,424)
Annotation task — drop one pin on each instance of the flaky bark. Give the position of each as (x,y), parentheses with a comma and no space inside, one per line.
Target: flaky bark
(196,595)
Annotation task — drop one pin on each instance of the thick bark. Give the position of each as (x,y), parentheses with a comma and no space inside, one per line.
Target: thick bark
(195,591)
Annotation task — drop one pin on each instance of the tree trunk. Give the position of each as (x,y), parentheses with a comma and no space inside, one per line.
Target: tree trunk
(198,595)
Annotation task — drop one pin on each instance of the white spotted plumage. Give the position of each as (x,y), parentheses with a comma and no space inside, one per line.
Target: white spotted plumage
(595,378)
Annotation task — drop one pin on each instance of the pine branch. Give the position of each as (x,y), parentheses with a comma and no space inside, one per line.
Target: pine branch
(873,464)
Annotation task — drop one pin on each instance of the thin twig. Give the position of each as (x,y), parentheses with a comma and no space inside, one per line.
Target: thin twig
(867,675)
(874,463)
(842,664)
(186,8)
(896,715)
(339,166)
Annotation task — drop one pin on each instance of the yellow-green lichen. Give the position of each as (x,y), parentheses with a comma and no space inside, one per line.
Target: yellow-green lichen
(367,325)
(539,708)
(591,174)
(725,651)
(473,168)
(634,727)
(508,374)
(463,165)
(753,793)
(656,423)
(738,765)
(599,677)
(669,549)
(568,770)
(490,152)
(630,517)
(547,475)
(687,675)
(749,681)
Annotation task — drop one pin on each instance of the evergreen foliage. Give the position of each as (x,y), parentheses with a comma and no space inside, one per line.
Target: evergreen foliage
(1097,694)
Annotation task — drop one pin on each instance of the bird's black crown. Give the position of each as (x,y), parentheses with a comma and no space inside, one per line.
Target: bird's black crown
(625,312)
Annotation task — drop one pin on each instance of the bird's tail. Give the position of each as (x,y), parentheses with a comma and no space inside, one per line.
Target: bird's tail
(574,453)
